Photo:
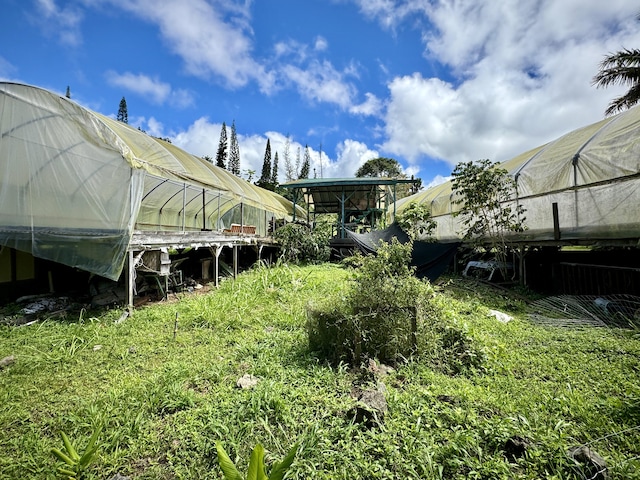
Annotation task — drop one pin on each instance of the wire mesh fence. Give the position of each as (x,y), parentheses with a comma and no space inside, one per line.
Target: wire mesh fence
(622,311)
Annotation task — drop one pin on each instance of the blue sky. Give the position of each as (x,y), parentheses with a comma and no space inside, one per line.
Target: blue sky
(430,83)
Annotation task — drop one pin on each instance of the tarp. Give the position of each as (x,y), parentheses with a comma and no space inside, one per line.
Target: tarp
(430,259)
(591,173)
(75,184)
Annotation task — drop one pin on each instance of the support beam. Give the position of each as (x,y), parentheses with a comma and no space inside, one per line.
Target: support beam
(130,278)
(556,221)
(216,250)
(235,261)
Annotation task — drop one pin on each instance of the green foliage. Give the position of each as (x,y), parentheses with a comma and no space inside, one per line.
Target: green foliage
(620,68)
(390,315)
(123,115)
(380,167)
(265,180)
(233,162)
(221,154)
(305,169)
(489,208)
(415,219)
(257,467)
(76,464)
(555,387)
(299,243)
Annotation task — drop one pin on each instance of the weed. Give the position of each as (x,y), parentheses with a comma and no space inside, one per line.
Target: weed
(257,466)
(75,463)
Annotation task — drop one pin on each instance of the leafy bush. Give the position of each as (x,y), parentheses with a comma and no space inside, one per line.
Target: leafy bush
(389,314)
(298,243)
(416,221)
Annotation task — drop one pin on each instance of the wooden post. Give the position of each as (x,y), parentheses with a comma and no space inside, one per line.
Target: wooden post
(556,221)
(130,278)
(235,261)
(216,250)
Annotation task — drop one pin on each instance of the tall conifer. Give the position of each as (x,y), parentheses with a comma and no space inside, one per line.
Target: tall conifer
(221,156)
(123,115)
(234,152)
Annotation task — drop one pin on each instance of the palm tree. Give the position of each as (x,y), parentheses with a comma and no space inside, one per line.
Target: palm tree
(621,68)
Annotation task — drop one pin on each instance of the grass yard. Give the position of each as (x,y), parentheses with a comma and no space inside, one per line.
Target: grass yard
(164,395)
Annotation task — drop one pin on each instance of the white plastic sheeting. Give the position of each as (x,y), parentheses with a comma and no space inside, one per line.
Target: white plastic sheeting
(592,174)
(74,184)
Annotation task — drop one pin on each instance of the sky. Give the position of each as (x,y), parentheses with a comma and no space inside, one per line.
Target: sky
(429,83)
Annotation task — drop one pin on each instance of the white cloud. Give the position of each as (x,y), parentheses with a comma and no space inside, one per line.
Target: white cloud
(371,106)
(291,48)
(437,180)
(60,22)
(202,138)
(351,156)
(212,38)
(321,82)
(321,44)
(522,77)
(153,89)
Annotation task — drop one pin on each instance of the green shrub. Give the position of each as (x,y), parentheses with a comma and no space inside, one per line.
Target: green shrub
(389,314)
(298,243)
(415,219)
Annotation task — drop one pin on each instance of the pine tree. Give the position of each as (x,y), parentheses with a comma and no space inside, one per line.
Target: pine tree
(274,171)
(68,93)
(123,115)
(265,176)
(306,164)
(289,173)
(234,152)
(297,164)
(221,156)
(207,158)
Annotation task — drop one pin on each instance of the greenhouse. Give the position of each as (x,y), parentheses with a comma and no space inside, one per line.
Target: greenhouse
(582,188)
(84,190)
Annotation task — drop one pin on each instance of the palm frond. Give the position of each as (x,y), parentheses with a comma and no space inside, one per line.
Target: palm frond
(628,100)
(620,68)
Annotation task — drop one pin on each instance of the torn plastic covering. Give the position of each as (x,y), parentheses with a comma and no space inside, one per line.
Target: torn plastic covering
(592,173)
(74,184)
(430,259)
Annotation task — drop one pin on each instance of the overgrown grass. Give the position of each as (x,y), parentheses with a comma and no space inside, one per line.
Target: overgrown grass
(165,397)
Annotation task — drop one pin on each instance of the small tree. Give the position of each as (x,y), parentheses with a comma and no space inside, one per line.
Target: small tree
(234,152)
(265,175)
(489,208)
(123,115)
(221,156)
(289,170)
(298,162)
(306,164)
(416,221)
(274,172)
(250,174)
